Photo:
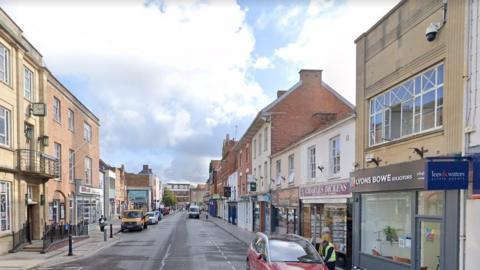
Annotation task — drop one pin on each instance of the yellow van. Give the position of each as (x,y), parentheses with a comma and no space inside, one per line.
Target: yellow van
(134,220)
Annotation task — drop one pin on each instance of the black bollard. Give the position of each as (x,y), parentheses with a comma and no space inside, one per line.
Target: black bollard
(104,235)
(70,245)
(111,230)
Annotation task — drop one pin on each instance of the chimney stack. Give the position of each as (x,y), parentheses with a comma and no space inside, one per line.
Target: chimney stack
(311,75)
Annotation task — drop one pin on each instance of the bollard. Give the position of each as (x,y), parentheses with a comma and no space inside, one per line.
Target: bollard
(104,235)
(206,217)
(111,230)
(70,244)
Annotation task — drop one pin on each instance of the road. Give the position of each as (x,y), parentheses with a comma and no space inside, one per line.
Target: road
(175,243)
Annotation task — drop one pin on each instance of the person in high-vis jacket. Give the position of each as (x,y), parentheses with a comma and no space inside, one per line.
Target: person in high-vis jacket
(328,254)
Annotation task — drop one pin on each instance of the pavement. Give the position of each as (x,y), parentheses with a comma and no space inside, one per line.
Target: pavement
(81,248)
(175,243)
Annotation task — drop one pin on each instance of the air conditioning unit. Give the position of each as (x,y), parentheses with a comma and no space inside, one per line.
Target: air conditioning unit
(369,158)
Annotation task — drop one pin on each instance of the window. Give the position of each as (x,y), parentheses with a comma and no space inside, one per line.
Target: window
(265,172)
(4,64)
(71,165)
(88,171)
(58,155)
(254,149)
(278,170)
(246,154)
(291,168)
(260,174)
(28,84)
(5,206)
(265,146)
(260,144)
(240,159)
(386,222)
(4,127)
(56,110)
(412,107)
(335,155)
(87,132)
(311,162)
(293,251)
(71,120)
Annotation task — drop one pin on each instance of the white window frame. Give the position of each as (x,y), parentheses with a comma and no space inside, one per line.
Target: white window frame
(260,144)
(312,163)
(87,132)
(5,117)
(265,131)
(57,110)
(28,84)
(4,64)
(88,171)
(334,156)
(57,148)
(254,148)
(265,172)
(6,193)
(71,165)
(380,105)
(278,171)
(291,168)
(71,120)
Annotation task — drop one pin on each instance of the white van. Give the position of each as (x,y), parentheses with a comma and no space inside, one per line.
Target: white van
(194,212)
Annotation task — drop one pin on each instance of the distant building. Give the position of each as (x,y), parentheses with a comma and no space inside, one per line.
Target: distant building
(181,191)
(140,189)
(197,194)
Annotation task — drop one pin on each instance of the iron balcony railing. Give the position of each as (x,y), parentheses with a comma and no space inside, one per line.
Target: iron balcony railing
(35,162)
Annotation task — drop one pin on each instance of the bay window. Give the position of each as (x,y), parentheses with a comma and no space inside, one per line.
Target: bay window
(412,107)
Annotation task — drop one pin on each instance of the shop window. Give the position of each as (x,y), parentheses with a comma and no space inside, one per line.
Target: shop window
(411,107)
(386,221)
(5,205)
(430,203)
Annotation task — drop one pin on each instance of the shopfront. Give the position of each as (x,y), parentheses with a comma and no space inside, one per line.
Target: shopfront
(88,204)
(406,216)
(262,213)
(245,214)
(327,215)
(285,211)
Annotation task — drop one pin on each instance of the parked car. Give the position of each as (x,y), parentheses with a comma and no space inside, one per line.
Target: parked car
(152,218)
(134,220)
(159,214)
(194,212)
(166,210)
(282,253)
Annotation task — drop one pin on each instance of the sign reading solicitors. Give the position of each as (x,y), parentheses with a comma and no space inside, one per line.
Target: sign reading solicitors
(408,175)
(446,175)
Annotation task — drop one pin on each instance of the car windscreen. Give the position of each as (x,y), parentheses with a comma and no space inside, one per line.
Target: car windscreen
(132,215)
(150,214)
(194,210)
(293,251)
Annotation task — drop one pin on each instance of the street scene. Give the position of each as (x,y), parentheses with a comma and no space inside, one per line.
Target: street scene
(240,134)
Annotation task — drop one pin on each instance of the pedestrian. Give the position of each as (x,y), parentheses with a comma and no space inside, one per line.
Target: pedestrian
(101,222)
(328,254)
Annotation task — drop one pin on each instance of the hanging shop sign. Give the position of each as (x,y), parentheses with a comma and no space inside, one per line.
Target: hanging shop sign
(338,188)
(408,175)
(446,175)
(285,197)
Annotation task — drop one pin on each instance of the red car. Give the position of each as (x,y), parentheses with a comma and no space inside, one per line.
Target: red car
(285,252)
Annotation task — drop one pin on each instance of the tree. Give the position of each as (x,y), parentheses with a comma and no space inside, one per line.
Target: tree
(168,198)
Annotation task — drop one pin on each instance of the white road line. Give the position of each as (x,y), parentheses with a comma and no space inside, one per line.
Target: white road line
(167,253)
(221,251)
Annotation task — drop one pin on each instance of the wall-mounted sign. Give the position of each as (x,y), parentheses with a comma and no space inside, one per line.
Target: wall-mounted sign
(227,192)
(327,189)
(446,175)
(39,109)
(89,190)
(407,175)
(253,186)
(285,197)
(476,180)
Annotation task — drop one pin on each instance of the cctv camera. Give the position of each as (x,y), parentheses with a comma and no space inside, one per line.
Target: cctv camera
(432,31)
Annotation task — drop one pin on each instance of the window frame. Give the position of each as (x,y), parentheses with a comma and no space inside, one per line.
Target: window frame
(71,165)
(5,53)
(312,162)
(265,139)
(414,88)
(88,170)
(6,118)
(278,171)
(291,168)
(71,120)
(57,110)
(260,144)
(8,206)
(57,148)
(334,155)
(27,71)
(87,132)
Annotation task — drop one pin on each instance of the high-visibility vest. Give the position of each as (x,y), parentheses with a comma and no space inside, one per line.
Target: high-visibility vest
(333,258)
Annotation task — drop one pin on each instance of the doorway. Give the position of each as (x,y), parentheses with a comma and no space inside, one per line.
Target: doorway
(429,244)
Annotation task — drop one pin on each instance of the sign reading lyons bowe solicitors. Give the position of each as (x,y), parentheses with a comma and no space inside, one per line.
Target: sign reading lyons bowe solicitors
(446,175)
(407,175)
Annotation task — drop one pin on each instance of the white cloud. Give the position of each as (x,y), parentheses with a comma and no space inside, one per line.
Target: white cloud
(158,76)
(263,63)
(326,41)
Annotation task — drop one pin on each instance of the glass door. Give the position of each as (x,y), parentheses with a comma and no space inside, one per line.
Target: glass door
(429,244)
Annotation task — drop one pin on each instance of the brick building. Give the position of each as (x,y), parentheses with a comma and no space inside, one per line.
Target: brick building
(227,168)
(213,170)
(181,191)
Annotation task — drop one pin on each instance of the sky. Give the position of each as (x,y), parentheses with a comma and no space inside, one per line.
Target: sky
(169,79)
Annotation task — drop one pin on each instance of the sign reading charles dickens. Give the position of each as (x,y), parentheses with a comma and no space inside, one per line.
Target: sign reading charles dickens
(402,176)
(325,189)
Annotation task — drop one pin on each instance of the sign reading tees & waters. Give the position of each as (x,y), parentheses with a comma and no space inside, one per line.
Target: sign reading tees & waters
(446,175)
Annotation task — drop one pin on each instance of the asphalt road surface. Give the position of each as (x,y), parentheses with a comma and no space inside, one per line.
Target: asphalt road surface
(175,243)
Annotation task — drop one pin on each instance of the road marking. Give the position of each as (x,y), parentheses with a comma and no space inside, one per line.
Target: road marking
(220,250)
(167,253)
